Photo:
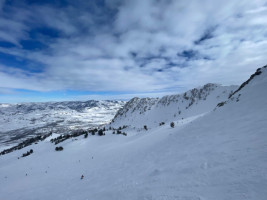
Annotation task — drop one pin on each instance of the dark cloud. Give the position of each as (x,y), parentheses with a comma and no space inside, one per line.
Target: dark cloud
(189,54)
(208,34)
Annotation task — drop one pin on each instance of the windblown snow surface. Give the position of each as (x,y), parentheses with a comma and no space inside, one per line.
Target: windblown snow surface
(221,154)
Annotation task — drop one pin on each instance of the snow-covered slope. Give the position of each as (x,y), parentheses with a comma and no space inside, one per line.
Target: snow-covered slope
(218,155)
(18,121)
(150,112)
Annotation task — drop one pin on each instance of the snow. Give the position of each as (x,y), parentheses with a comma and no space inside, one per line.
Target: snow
(28,119)
(3,105)
(137,112)
(39,114)
(219,154)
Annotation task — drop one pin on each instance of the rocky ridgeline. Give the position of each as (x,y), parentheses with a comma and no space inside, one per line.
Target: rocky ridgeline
(233,96)
(191,96)
(151,111)
(144,104)
(180,102)
(258,72)
(137,104)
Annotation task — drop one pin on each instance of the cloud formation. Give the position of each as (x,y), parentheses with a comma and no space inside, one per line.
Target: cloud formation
(130,46)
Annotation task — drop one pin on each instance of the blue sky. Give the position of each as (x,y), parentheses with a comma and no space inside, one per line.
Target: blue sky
(118,49)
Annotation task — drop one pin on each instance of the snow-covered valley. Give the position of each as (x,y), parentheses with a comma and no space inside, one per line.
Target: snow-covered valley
(217,149)
(24,120)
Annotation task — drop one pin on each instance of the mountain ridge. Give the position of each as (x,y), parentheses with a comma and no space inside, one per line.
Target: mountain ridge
(178,105)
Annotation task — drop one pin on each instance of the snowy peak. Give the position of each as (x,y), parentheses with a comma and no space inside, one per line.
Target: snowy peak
(152,111)
(137,104)
(251,93)
(191,95)
(260,76)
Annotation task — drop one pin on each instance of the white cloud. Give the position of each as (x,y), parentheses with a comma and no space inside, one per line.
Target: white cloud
(136,51)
